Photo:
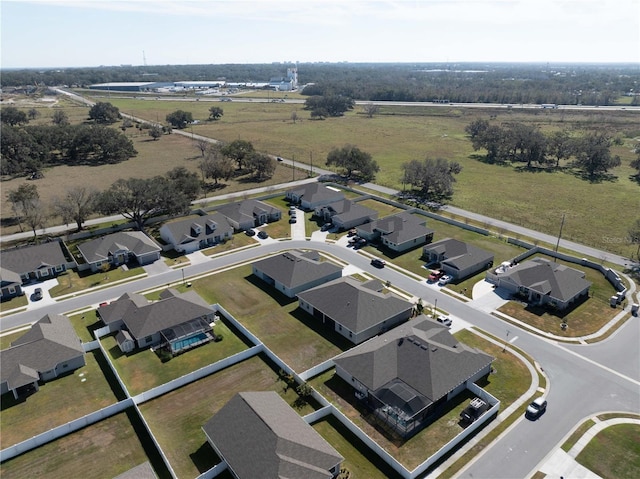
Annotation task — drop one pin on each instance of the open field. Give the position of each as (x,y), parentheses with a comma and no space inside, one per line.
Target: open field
(181,437)
(102,450)
(276,319)
(50,406)
(509,382)
(535,198)
(144,370)
(614,452)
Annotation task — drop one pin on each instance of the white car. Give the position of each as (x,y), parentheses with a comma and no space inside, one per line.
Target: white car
(446,320)
(444,280)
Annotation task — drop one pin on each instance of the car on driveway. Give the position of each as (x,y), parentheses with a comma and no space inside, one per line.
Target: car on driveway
(435,276)
(446,279)
(292,219)
(326,227)
(37,294)
(378,263)
(250,232)
(536,409)
(446,320)
(263,235)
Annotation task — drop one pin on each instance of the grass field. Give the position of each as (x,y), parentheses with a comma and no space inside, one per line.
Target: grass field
(51,407)
(73,281)
(189,408)
(509,382)
(101,451)
(144,370)
(614,452)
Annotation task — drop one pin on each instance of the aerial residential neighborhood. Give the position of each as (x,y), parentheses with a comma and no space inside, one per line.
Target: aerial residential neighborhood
(392,240)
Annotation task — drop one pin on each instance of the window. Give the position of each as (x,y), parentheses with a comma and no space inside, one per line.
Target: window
(44,272)
(148,339)
(59,268)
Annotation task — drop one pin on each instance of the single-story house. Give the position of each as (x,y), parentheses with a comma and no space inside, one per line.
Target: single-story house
(345,214)
(399,232)
(356,310)
(294,271)
(10,284)
(457,258)
(406,376)
(311,195)
(31,263)
(191,234)
(49,349)
(177,321)
(247,214)
(543,282)
(259,436)
(120,248)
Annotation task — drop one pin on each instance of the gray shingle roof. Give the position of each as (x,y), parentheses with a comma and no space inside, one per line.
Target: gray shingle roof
(209,226)
(316,193)
(402,227)
(347,210)
(134,241)
(144,318)
(549,278)
(294,268)
(30,258)
(50,341)
(260,436)
(422,354)
(353,305)
(458,254)
(246,210)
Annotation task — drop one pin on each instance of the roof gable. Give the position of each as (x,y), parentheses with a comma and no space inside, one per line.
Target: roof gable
(32,258)
(100,249)
(294,268)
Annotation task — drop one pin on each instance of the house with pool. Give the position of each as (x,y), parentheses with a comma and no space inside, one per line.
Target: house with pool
(176,322)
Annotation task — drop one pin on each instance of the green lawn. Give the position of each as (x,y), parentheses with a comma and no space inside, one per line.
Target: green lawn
(85,324)
(100,451)
(51,405)
(176,418)
(8,337)
(14,303)
(288,331)
(358,459)
(73,282)
(614,452)
(144,370)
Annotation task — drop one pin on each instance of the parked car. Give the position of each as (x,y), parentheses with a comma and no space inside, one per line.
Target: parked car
(446,320)
(279,159)
(326,227)
(263,235)
(444,280)
(352,232)
(435,276)
(536,409)
(378,263)
(250,232)
(292,220)
(37,294)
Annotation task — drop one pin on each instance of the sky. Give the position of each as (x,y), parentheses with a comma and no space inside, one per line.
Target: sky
(78,33)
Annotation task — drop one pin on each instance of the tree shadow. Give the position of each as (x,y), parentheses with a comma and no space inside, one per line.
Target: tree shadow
(488,161)
(596,178)
(635,178)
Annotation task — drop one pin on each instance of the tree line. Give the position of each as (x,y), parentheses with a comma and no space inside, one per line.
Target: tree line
(456,82)
(589,152)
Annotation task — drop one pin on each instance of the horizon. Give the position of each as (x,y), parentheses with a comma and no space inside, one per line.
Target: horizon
(84,34)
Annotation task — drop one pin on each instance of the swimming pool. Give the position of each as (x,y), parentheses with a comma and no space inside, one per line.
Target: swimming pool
(188,342)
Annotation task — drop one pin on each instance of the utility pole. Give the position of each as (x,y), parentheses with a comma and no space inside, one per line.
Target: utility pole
(293,164)
(311,161)
(555,259)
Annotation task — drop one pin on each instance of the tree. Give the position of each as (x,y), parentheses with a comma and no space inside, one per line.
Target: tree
(23,200)
(35,216)
(215,113)
(261,165)
(238,151)
(12,116)
(490,137)
(593,155)
(294,116)
(180,119)
(104,113)
(155,132)
(636,163)
(328,105)
(351,159)
(202,144)
(140,199)
(433,178)
(76,205)
(60,118)
(217,166)
(560,145)
(370,109)
(185,181)
(33,114)
(634,236)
